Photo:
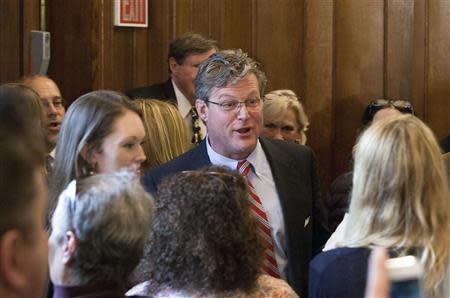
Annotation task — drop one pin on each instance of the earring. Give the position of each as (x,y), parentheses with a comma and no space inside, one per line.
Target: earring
(93,169)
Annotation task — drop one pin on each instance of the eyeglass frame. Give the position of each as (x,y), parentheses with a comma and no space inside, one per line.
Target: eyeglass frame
(237,104)
(57,103)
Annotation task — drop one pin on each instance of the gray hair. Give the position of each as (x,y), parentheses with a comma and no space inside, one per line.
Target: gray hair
(110,216)
(226,67)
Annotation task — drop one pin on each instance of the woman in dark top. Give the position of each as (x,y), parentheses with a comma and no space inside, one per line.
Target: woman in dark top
(400,200)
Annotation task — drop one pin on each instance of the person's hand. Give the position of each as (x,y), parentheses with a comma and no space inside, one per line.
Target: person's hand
(377,285)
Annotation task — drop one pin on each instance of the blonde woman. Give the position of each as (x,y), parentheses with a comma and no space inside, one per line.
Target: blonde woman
(400,201)
(166,133)
(284,117)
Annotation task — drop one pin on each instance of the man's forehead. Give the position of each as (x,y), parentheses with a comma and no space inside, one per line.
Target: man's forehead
(247,86)
(45,87)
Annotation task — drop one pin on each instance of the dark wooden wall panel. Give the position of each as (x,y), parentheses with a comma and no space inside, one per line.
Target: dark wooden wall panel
(10,40)
(419,57)
(159,33)
(398,60)
(438,80)
(279,43)
(30,21)
(358,70)
(232,23)
(17,19)
(317,70)
(76,44)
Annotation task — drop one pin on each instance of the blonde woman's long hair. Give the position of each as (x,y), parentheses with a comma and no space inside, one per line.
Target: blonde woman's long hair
(400,196)
(166,133)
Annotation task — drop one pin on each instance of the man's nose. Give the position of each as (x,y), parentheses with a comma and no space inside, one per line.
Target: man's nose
(50,109)
(242,110)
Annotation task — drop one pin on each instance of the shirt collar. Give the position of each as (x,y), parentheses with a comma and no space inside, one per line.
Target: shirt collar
(256,158)
(53,153)
(184,106)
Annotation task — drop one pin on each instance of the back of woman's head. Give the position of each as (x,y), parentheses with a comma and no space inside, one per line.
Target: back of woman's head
(166,133)
(203,236)
(88,121)
(400,196)
(21,109)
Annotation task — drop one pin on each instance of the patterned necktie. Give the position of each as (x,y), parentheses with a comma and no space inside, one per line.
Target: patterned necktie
(264,232)
(196,133)
(49,164)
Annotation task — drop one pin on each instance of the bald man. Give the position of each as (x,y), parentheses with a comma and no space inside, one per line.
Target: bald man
(53,105)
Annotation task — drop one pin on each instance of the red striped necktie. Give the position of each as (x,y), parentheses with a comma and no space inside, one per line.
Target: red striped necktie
(269,265)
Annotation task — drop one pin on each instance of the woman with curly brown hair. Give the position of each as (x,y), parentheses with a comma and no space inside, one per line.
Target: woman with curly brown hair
(203,241)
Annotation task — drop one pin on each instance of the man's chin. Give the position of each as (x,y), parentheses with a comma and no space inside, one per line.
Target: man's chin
(51,143)
(245,148)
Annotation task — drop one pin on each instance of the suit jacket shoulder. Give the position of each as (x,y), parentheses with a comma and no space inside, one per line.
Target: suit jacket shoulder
(164,91)
(194,159)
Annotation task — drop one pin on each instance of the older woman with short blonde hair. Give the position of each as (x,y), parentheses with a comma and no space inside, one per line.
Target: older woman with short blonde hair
(284,117)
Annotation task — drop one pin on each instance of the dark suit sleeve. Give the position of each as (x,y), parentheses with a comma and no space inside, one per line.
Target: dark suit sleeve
(149,183)
(320,225)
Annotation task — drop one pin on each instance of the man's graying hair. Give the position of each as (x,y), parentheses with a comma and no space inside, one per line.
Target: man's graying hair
(226,67)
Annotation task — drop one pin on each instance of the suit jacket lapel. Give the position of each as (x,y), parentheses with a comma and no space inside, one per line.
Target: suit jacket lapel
(287,176)
(169,92)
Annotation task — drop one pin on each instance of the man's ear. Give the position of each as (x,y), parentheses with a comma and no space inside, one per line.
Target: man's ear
(69,247)
(173,64)
(13,256)
(202,109)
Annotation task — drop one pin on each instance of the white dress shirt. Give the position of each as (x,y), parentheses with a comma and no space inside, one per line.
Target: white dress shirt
(261,178)
(184,106)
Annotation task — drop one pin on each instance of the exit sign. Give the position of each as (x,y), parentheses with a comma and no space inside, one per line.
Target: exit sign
(131,13)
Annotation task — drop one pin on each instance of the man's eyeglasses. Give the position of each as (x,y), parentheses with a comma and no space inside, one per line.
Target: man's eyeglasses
(235,105)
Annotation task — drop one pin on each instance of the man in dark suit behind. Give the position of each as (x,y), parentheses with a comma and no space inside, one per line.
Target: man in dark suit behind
(229,87)
(185,54)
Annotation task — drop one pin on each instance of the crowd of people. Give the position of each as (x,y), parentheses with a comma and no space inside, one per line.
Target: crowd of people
(203,187)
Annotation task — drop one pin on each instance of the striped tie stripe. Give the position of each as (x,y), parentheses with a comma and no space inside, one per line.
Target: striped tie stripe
(269,265)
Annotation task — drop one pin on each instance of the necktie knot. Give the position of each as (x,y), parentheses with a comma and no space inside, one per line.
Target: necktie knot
(244,167)
(196,133)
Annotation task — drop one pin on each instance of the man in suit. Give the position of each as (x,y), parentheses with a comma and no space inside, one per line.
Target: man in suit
(229,88)
(185,54)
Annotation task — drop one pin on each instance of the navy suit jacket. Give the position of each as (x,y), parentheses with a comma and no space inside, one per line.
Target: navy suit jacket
(294,171)
(164,91)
